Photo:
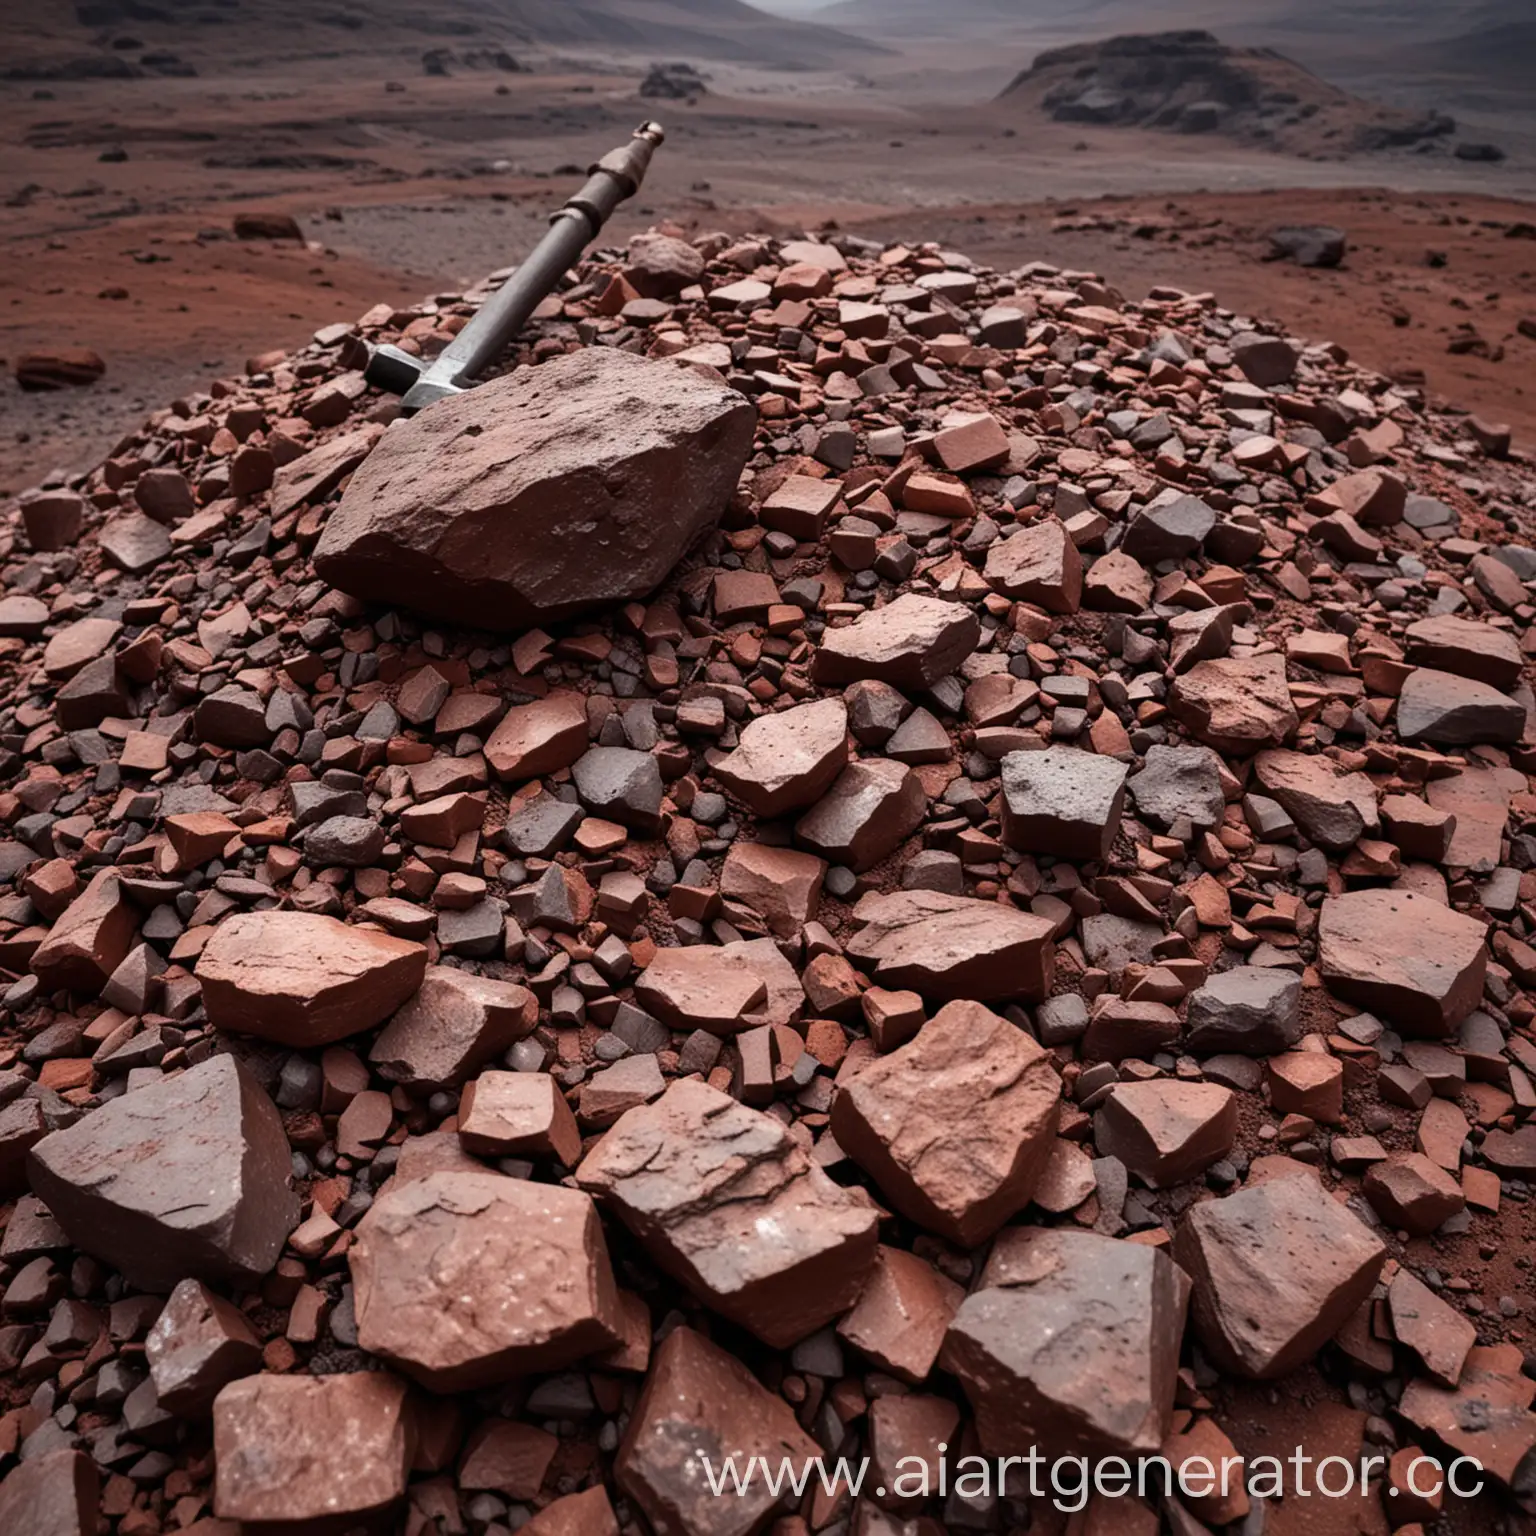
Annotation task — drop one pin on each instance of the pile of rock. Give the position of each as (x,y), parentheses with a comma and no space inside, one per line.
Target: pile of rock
(1022,938)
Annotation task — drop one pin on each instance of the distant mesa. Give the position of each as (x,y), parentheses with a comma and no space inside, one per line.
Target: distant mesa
(1190,82)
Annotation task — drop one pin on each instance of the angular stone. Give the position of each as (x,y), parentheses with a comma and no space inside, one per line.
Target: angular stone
(1334,808)
(1039,564)
(902,1314)
(1278,1269)
(539,738)
(76,644)
(1070,1342)
(134,543)
(1403,956)
(504,1456)
(541,494)
(1374,497)
(1268,361)
(909,643)
(232,717)
(1478,800)
(782,886)
(1062,802)
(344,842)
(22,616)
(1251,1009)
(801,506)
(614,1091)
(1420,830)
(88,943)
(318,472)
(621,785)
(701,987)
(954,947)
(454,1025)
(466,1280)
(587,1513)
(1448,710)
(969,442)
(957,1125)
(1410,1192)
(1466,648)
(1117,583)
(1487,1417)
(1112,942)
(661,266)
(542,826)
(1309,1083)
(873,806)
(518,1114)
(788,759)
(199,1344)
(730,1205)
(184,1177)
(301,979)
(296,1448)
(54,1494)
(53,520)
(1179,781)
(1168,531)
(1236,705)
(1166,1132)
(699,1401)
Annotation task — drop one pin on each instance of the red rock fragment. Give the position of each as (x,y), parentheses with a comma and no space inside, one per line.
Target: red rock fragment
(1167,1132)
(301,979)
(952,947)
(957,1125)
(199,1344)
(465,1280)
(185,1177)
(1070,1342)
(902,1314)
(727,1202)
(56,1494)
(535,739)
(453,1026)
(1403,956)
(788,759)
(700,1401)
(518,1114)
(1278,1268)
(294,1448)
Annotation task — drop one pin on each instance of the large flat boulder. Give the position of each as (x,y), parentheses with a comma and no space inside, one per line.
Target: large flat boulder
(542,494)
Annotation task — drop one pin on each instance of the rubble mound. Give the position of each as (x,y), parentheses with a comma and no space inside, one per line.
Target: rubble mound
(1190,82)
(1024,937)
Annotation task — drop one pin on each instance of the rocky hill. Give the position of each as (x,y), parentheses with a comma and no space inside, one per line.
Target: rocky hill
(1190,82)
(85,38)
(974,890)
